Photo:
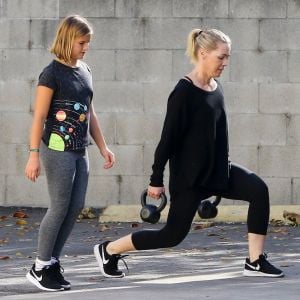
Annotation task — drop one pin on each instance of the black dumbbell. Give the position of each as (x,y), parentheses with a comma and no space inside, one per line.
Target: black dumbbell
(151,213)
(208,209)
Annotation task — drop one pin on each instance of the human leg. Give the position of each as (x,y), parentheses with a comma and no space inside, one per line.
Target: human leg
(76,204)
(181,213)
(60,168)
(246,185)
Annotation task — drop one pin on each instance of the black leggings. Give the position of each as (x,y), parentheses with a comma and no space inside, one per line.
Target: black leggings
(243,185)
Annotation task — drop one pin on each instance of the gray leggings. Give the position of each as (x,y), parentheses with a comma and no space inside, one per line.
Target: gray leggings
(67,177)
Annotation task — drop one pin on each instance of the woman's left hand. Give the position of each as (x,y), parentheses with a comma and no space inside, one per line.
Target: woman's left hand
(109,158)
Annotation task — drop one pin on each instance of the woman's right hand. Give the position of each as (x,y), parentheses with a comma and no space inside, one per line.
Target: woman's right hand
(155,192)
(33,168)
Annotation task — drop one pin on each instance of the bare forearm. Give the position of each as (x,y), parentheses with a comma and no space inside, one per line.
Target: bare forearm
(36,132)
(96,132)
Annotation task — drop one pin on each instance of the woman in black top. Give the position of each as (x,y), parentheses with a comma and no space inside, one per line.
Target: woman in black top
(195,141)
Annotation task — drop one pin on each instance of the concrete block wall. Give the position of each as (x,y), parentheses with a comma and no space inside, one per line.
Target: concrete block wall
(137,56)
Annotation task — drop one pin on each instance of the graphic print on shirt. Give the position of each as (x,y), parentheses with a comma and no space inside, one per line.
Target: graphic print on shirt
(70,125)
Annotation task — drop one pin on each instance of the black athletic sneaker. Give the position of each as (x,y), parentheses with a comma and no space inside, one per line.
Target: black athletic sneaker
(261,267)
(108,263)
(44,279)
(58,270)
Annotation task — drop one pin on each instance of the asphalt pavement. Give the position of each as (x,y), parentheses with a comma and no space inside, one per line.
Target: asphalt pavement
(208,264)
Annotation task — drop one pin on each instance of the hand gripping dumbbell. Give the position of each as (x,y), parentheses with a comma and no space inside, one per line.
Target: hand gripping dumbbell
(151,213)
(208,209)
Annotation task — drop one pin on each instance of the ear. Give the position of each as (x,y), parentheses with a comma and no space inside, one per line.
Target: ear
(201,54)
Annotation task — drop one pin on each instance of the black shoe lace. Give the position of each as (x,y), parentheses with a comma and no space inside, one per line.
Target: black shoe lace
(118,257)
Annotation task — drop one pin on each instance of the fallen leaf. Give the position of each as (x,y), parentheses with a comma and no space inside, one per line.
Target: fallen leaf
(294,218)
(285,266)
(275,222)
(21,222)
(212,234)
(134,225)
(20,214)
(87,213)
(4,257)
(203,225)
(102,228)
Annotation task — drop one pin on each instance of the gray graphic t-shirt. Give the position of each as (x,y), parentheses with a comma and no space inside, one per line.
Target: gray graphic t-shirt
(67,124)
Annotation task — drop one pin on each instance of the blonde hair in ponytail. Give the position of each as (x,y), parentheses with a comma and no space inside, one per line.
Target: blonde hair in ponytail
(206,39)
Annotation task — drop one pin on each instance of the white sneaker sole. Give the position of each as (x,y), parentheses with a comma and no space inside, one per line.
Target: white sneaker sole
(100,263)
(37,284)
(260,274)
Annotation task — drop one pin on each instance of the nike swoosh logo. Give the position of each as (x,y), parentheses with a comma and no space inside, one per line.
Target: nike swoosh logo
(257,268)
(105,261)
(36,277)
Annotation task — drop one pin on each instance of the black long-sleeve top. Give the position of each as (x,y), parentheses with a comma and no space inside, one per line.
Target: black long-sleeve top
(194,139)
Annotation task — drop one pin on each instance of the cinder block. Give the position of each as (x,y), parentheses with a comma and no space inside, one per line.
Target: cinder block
(138,129)
(14,34)
(241,97)
(21,64)
(276,161)
(87,8)
(280,190)
(181,66)
(293,61)
(14,127)
(279,98)
(143,8)
(118,96)
(129,160)
(160,33)
(258,66)
(144,66)
(149,151)
(15,96)
(2,190)
(102,64)
(296,190)
(103,191)
(257,9)
(257,129)
(293,131)
(156,96)
(293,9)
(108,127)
(200,8)
(32,9)
(22,192)
(42,33)
(246,156)
(13,158)
(115,33)
(246,38)
(3,9)
(131,188)
(286,37)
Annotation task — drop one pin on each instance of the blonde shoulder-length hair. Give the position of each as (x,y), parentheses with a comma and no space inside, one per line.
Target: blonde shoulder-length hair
(68,30)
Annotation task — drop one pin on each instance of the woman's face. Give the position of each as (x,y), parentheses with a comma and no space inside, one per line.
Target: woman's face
(215,61)
(80,47)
